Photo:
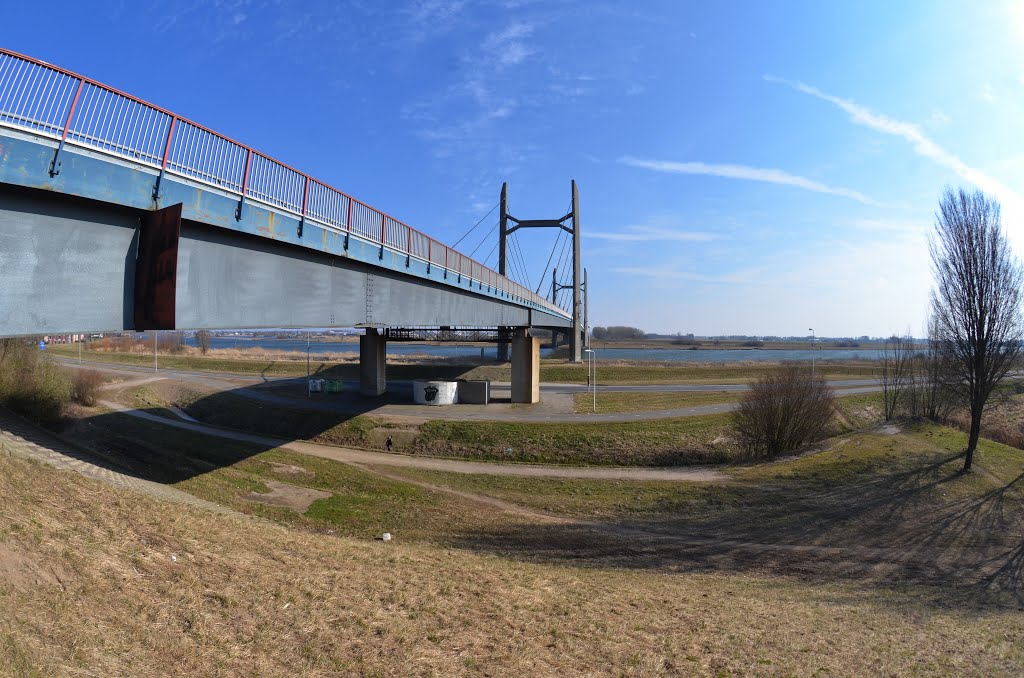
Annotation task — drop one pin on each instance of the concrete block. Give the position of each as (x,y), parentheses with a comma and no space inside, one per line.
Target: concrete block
(474,391)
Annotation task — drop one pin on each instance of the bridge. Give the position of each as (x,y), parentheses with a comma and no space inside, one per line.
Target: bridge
(116,214)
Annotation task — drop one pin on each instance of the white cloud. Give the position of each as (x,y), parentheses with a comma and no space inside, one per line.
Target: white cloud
(506,47)
(652,234)
(908,227)
(430,18)
(764,174)
(744,277)
(937,119)
(1013,204)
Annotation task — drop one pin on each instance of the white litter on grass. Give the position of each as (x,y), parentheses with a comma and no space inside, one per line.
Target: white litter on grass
(174,558)
(386,536)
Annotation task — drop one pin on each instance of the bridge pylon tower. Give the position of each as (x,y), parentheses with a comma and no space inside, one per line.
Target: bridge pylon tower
(577,336)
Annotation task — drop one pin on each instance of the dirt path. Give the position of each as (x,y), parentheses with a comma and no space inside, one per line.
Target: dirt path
(355,456)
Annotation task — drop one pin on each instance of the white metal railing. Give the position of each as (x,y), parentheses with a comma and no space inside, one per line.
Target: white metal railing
(73,109)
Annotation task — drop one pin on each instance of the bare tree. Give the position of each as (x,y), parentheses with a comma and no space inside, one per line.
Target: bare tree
(784,409)
(895,374)
(203,340)
(932,395)
(976,301)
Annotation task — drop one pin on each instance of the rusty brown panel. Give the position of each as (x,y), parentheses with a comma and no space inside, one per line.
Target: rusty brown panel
(156,269)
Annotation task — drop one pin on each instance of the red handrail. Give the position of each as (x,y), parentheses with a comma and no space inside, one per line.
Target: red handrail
(174,118)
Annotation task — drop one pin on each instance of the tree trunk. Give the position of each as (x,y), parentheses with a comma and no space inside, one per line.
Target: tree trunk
(972,441)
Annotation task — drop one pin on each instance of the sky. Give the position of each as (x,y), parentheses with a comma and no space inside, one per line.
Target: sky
(756,168)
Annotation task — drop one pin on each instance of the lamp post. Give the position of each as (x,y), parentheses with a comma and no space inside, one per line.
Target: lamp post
(812,351)
(592,374)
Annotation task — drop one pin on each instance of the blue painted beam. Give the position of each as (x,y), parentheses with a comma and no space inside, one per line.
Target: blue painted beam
(25,160)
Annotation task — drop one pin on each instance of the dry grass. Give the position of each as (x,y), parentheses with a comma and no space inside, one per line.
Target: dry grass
(631,401)
(344,365)
(103,582)
(624,401)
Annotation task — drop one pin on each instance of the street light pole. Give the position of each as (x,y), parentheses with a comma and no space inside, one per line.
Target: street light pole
(592,375)
(588,370)
(812,351)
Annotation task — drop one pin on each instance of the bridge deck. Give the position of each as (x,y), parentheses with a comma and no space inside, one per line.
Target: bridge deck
(261,244)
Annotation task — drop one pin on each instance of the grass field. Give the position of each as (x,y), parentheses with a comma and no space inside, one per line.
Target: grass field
(923,576)
(876,488)
(554,371)
(626,401)
(672,441)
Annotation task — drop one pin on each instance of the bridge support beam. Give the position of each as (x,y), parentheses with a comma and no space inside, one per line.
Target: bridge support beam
(372,363)
(525,368)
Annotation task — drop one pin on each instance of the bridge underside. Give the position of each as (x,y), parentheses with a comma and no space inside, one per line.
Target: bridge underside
(71,265)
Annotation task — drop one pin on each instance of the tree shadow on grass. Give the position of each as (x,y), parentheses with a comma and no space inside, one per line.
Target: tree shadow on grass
(890,532)
(921,524)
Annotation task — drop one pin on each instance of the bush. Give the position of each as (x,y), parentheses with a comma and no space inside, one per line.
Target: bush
(31,383)
(203,340)
(783,410)
(171,342)
(85,387)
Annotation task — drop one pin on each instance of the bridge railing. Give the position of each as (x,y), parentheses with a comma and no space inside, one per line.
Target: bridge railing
(72,109)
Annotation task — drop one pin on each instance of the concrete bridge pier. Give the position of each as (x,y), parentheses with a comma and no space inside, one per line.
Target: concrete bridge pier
(525,368)
(372,363)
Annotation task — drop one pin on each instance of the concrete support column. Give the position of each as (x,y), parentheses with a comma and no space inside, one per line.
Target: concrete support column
(525,368)
(502,348)
(372,363)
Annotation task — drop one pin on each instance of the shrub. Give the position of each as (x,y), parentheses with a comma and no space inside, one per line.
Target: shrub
(85,387)
(784,409)
(31,383)
(203,340)
(171,342)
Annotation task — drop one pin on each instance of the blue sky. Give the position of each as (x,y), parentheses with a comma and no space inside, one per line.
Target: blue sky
(755,168)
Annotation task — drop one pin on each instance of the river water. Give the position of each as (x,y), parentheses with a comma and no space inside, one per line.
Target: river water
(639,354)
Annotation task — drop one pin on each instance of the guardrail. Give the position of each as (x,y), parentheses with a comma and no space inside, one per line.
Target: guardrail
(76,110)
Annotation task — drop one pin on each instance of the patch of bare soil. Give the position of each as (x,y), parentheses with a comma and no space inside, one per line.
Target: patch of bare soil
(290,470)
(20,572)
(181,393)
(287,495)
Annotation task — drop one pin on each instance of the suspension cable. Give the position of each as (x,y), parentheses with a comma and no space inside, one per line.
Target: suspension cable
(484,262)
(486,236)
(544,275)
(474,226)
(522,261)
(515,265)
(562,257)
